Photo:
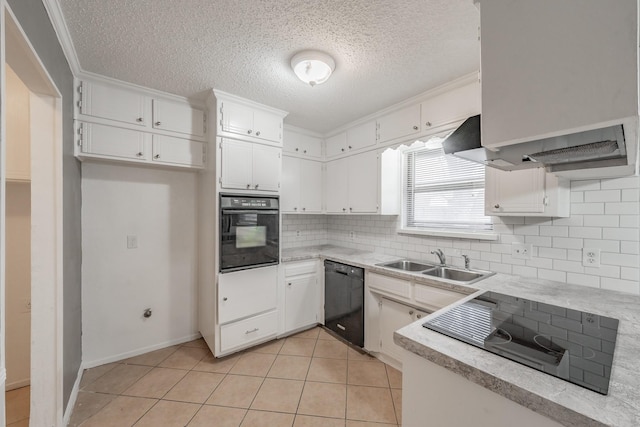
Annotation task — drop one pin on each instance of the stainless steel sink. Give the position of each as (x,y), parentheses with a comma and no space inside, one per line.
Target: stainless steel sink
(406,265)
(456,275)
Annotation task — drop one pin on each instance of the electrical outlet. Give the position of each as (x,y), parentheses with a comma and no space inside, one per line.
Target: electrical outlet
(132,242)
(352,235)
(521,250)
(591,257)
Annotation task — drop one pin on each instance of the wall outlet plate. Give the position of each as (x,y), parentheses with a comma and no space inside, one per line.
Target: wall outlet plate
(521,250)
(591,257)
(132,242)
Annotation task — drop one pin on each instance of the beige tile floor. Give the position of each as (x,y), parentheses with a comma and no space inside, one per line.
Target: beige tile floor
(17,407)
(307,380)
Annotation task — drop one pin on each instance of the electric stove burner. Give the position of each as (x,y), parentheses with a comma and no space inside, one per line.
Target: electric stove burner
(573,345)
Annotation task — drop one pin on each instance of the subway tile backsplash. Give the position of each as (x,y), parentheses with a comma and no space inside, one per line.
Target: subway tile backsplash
(604,215)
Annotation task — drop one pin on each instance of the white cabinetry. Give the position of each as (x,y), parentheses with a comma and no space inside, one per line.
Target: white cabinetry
(554,88)
(394,316)
(301,186)
(177,151)
(247,303)
(249,166)
(114,103)
(355,138)
(450,107)
(242,118)
(178,117)
(301,290)
(403,123)
(336,145)
(301,144)
(529,192)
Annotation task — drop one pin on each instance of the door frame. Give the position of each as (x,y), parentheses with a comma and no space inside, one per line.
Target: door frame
(46,222)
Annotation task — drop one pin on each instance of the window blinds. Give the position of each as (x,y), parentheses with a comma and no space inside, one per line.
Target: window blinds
(444,191)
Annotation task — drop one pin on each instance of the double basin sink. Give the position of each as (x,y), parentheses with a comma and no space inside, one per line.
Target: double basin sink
(438,271)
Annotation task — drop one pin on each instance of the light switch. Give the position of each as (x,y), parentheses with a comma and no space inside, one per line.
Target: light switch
(132,242)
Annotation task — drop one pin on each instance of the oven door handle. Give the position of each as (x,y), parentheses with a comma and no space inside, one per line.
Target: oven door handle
(265,212)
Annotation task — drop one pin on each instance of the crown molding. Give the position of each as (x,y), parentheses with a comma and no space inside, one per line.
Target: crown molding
(62,31)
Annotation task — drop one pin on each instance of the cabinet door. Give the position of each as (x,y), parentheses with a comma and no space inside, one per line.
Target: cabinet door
(109,141)
(236,118)
(300,302)
(177,151)
(336,190)
(361,136)
(178,117)
(514,192)
(393,316)
(236,164)
(246,293)
(113,103)
(310,186)
(336,145)
(267,126)
(452,106)
(402,123)
(290,191)
(311,146)
(363,183)
(266,168)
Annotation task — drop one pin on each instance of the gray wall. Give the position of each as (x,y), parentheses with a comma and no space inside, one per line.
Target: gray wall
(33,18)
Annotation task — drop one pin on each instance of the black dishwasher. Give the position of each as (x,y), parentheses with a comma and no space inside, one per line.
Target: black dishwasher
(344,301)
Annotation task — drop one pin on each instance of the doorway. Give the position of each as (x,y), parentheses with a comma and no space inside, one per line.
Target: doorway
(44,201)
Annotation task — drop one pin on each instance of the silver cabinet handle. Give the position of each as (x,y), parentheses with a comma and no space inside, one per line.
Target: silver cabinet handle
(428,124)
(296,149)
(249,131)
(258,133)
(139,120)
(351,209)
(497,206)
(350,147)
(253,330)
(139,154)
(419,316)
(157,156)
(305,151)
(248,186)
(256,187)
(411,312)
(225,298)
(158,123)
(295,209)
(304,209)
(344,209)
(415,128)
(289,284)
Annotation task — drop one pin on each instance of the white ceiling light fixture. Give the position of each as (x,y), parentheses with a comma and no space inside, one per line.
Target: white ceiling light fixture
(313,67)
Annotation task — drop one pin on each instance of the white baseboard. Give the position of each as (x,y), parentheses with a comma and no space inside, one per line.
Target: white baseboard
(121,356)
(73,397)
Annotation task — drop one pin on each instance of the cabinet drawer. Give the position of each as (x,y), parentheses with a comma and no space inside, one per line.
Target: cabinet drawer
(245,332)
(245,293)
(298,268)
(390,284)
(435,297)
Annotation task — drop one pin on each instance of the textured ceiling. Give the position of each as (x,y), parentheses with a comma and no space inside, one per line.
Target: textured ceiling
(385,51)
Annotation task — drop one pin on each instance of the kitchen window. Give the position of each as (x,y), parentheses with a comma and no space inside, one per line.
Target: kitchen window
(443,195)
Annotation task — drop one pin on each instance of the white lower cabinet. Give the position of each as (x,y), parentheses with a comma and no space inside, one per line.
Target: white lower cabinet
(301,290)
(245,332)
(393,316)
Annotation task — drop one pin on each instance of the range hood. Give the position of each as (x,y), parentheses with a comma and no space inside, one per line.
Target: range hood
(597,152)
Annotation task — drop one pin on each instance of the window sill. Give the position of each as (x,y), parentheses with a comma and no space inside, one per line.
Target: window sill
(479,235)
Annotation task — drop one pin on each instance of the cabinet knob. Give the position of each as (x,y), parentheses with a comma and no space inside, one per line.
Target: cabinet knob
(249,131)
(258,133)
(139,120)
(296,149)
(411,312)
(157,156)
(428,124)
(342,149)
(350,147)
(225,298)
(158,123)
(497,206)
(344,209)
(289,284)
(256,187)
(351,209)
(415,128)
(419,316)
(295,209)
(304,209)
(305,151)
(248,186)
(139,154)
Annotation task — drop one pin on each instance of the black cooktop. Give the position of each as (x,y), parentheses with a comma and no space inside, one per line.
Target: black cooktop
(573,345)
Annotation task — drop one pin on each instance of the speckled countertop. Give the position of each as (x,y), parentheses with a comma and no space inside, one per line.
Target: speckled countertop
(560,400)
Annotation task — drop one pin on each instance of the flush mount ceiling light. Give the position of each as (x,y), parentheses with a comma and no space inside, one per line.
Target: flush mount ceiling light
(312,66)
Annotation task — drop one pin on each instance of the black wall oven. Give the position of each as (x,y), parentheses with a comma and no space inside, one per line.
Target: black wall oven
(249,232)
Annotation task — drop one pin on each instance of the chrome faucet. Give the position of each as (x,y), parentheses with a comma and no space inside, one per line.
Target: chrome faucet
(443,259)
(466,261)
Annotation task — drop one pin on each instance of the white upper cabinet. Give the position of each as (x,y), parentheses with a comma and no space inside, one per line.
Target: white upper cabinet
(363,182)
(336,145)
(110,142)
(301,144)
(336,188)
(301,185)
(177,151)
(361,136)
(178,117)
(450,107)
(554,67)
(403,123)
(528,192)
(113,103)
(248,166)
(245,119)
